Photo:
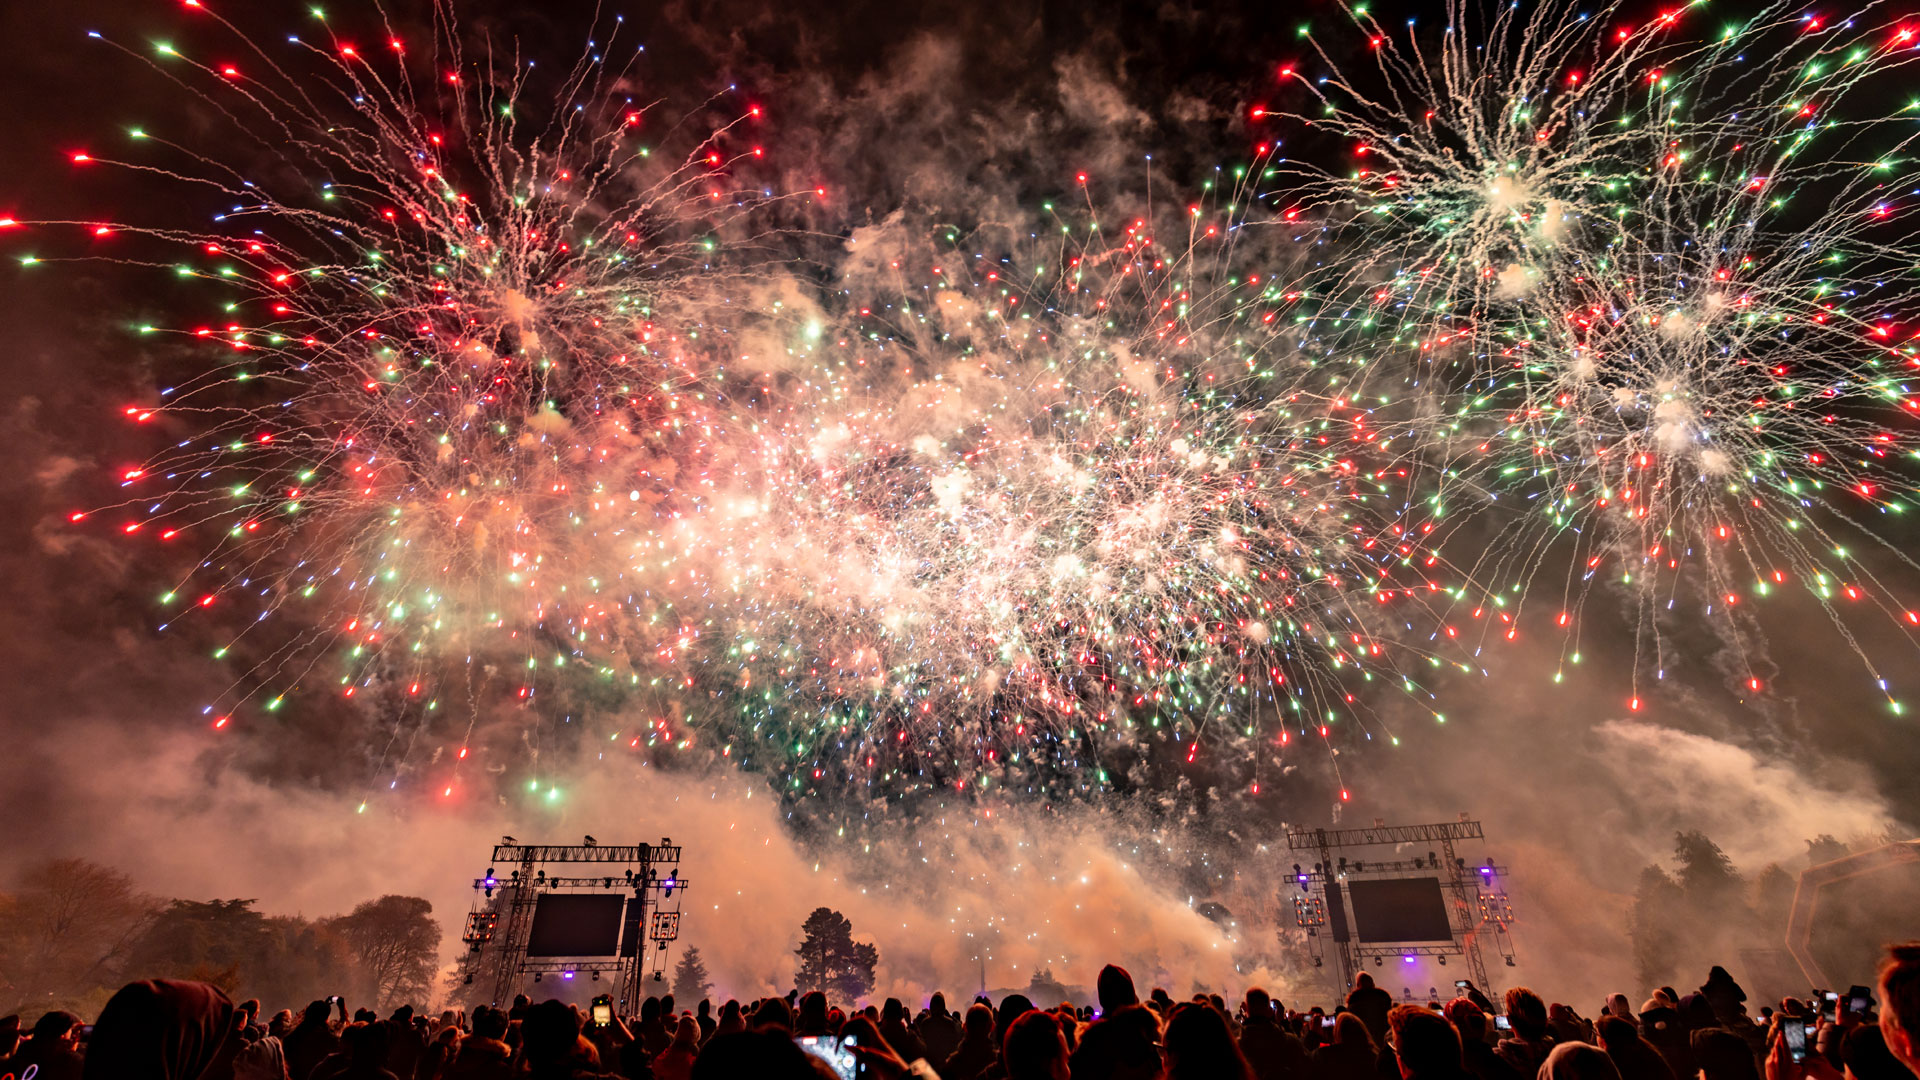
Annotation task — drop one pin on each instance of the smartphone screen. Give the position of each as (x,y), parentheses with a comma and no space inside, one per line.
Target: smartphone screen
(1829,1005)
(1503,1023)
(602,1014)
(1326,1023)
(1459,984)
(837,1053)
(1796,1035)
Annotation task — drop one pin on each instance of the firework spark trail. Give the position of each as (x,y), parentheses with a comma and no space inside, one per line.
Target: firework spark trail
(504,388)
(492,384)
(424,349)
(1053,509)
(1661,290)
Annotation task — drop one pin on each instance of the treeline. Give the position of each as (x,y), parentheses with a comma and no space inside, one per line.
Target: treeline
(72,932)
(1704,909)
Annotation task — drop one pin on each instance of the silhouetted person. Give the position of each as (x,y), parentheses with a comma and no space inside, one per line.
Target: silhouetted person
(939,1030)
(1724,1056)
(1425,1045)
(484,1054)
(704,1017)
(1123,1044)
(1578,1061)
(1351,1054)
(1200,1045)
(768,1054)
(1477,1058)
(811,1017)
(776,1013)
(676,1061)
(1527,1048)
(1900,1003)
(1866,1056)
(976,1050)
(1274,1052)
(893,1028)
(363,1054)
(52,1051)
(1115,989)
(311,1041)
(1622,1042)
(1034,1048)
(1662,1029)
(732,1022)
(1370,1004)
(551,1044)
(164,1029)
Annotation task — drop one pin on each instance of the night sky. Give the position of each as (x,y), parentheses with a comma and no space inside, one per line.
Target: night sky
(952,112)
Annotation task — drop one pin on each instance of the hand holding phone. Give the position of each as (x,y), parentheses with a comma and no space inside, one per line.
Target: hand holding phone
(1794,1034)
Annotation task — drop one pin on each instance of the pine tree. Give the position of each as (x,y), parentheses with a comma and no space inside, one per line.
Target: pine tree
(831,961)
(690,981)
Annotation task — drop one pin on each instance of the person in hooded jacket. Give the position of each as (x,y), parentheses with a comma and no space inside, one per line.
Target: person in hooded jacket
(939,1030)
(165,1029)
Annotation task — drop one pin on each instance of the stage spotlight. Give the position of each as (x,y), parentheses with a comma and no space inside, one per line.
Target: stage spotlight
(1442,960)
(536,976)
(469,978)
(1509,961)
(1379,960)
(596,975)
(658,977)
(608,882)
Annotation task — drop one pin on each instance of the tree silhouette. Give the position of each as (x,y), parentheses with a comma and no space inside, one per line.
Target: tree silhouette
(1706,873)
(1824,849)
(690,981)
(396,942)
(1651,923)
(66,932)
(831,961)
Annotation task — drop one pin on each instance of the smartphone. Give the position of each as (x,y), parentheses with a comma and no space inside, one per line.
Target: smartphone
(1502,1023)
(837,1053)
(1461,984)
(1829,1005)
(86,1032)
(1795,1033)
(603,1011)
(1859,1000)
(1326,1023)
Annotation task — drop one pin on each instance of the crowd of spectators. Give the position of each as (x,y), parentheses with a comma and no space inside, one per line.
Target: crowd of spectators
(173,1030)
